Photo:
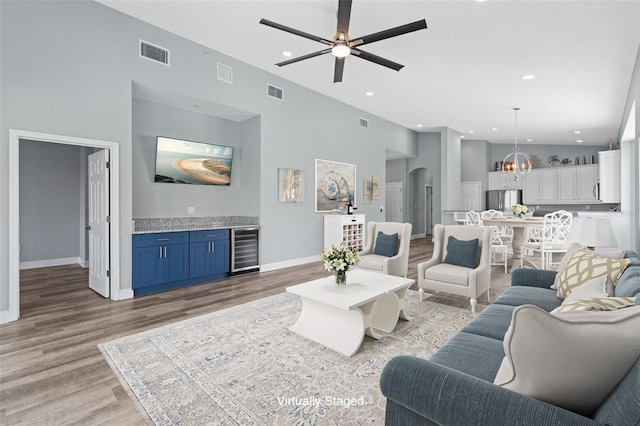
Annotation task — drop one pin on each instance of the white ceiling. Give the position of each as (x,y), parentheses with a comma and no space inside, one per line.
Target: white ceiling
(463,72)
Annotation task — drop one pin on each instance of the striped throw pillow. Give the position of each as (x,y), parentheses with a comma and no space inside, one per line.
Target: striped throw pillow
(584,266)
(596,304)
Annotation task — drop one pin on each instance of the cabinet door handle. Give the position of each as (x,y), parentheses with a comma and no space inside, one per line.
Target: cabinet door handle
(213,246)
(160,252)
(165,251)
(209,246)
(162,239)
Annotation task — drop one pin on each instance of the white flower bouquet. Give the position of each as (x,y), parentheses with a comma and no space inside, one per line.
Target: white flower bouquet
(519,210)
(338,259)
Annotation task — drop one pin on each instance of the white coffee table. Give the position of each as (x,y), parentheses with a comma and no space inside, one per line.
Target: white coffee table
(338,316)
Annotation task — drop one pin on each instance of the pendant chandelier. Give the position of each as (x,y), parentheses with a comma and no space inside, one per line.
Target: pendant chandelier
(517,164)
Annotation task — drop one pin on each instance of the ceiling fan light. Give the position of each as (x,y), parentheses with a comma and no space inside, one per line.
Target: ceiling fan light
(341,51)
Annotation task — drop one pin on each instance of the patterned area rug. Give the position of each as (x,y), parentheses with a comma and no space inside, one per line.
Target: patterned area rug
(243,366)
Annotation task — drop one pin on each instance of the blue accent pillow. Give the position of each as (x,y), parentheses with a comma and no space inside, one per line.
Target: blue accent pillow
(461,252)
(386,245)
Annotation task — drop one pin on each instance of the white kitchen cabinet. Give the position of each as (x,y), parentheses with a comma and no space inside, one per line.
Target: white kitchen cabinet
(540,186)
(498,180)
(576,184)
(609,176)
(347,228)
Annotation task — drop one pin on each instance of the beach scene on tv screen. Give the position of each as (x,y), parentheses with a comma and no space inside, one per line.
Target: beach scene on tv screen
(179,161)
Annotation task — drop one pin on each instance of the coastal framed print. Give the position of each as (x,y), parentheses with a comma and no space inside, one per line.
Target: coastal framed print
(371,189)
(335,185)
(290,186)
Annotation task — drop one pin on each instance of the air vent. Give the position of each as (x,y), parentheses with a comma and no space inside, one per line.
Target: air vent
(225,73)
(154,53)
(364,123)
(274,92)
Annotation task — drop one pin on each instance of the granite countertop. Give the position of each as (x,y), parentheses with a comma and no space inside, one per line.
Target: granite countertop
(178,224)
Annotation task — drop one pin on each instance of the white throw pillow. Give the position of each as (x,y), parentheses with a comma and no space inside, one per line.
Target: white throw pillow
(592,352)
(596,287)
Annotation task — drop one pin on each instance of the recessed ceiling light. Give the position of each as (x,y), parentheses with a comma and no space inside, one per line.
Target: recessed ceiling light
(529,140)
(494,129)
(286,53)
(528,77)
(579,141)
(462,136)
(577,132)
(369,93)
(471,132)
(419,125)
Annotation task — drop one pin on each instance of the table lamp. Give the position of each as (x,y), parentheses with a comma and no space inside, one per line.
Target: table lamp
(592,232)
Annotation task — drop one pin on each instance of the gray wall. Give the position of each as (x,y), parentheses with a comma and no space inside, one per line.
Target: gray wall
(80,83)
(429,157)
(475,162)
(151,199)
(52,201)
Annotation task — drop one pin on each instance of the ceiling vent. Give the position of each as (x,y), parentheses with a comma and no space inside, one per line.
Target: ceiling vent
(274,92)
(364,123)
(154,53)
(225,73)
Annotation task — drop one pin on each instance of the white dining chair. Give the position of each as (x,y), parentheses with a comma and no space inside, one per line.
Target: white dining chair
(550,238)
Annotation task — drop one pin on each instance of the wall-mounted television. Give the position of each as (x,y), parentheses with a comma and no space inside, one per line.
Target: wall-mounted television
(180,161)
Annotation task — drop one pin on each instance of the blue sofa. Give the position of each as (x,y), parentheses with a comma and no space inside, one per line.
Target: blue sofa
(455,385)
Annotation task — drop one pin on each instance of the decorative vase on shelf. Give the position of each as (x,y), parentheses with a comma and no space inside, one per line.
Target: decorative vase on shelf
(341,277)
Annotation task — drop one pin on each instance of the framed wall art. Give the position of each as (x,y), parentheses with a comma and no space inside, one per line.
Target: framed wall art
(335,185)
(290,186)
(371,189)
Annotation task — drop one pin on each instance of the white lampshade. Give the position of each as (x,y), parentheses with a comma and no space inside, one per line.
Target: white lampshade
(592,232)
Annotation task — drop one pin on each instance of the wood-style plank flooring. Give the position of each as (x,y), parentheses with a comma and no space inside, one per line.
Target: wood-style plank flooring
(51,370)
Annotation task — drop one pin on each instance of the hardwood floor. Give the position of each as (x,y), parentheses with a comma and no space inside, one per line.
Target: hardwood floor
(51,370)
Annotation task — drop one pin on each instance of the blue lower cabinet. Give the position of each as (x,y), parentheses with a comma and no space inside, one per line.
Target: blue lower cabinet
(176,265)
(168,260)
(209,253)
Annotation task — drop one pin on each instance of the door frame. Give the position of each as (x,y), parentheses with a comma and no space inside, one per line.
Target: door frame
(428,227)
(14,209)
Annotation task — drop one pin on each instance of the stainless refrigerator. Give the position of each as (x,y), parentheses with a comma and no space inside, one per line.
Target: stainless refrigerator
(503,199)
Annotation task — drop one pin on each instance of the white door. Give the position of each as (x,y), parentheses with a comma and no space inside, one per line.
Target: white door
(470,192)
(393,200)
(99,222)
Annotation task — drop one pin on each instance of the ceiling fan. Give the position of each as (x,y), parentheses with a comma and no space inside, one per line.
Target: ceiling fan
(342,46)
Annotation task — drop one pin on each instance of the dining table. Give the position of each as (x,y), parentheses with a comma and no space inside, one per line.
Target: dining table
(519,225)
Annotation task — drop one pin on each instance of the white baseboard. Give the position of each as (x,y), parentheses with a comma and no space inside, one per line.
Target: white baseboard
(54,262)
(126,293)
(287,263)
(414,236)
(5,317)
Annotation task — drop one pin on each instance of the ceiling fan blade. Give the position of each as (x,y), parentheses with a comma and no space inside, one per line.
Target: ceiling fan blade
(337,74)
(392,32)
(294,31)
(344,15)
(376,59)
(303,57)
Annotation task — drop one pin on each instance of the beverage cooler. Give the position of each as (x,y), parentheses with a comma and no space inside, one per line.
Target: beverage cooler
(245,250)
